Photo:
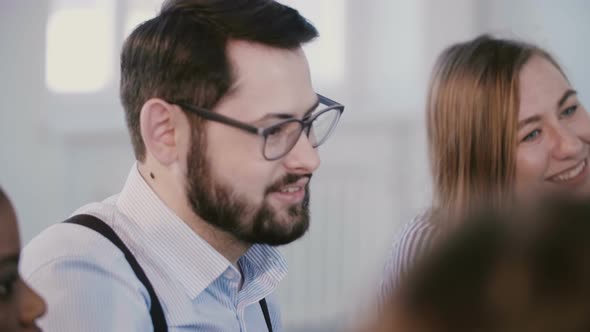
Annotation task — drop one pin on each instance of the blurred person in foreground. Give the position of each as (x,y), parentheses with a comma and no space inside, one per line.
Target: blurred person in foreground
(518,270)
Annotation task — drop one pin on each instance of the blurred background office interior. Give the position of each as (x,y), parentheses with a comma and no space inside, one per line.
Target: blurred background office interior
(63,140)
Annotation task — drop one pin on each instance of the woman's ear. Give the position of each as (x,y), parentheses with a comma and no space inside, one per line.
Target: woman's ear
(158,130)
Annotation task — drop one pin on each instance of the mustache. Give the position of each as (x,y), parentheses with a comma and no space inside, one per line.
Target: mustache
(286,180)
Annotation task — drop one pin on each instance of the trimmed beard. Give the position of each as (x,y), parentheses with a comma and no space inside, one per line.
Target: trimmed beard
(221,206)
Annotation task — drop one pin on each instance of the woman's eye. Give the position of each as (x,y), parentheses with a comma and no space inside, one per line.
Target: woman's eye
(532,135)
(570,111)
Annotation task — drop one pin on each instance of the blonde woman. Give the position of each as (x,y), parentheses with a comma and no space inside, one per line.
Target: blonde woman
(504,125)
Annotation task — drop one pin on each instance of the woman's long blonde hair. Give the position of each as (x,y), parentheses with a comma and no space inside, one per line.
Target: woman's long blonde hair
(472,115)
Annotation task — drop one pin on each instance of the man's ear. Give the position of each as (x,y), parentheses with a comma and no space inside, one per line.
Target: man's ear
(158,130)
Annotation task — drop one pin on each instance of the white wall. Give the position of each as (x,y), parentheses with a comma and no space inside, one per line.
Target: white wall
(374,174)
(32,167)
(562,27)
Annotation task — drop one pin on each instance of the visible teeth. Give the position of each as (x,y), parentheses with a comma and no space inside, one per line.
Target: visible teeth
(290,189)
(571,174)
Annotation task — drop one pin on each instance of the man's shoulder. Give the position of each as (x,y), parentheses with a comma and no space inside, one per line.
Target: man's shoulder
(81,274)
(65,241)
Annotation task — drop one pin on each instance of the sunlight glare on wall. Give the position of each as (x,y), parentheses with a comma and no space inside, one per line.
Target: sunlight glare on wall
(327,55)
(80,43)
(139,12)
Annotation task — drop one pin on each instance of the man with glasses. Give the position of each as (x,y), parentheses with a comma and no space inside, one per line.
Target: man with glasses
(224,124)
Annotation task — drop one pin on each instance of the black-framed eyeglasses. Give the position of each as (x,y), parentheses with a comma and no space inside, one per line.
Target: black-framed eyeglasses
(279,138)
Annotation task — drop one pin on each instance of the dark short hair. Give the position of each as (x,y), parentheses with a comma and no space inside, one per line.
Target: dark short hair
(180,54)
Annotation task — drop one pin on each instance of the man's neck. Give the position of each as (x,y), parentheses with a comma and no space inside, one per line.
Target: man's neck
(223,242)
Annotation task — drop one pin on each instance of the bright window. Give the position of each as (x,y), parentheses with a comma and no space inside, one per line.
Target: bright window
(140,11)
(326,55)
(80,45)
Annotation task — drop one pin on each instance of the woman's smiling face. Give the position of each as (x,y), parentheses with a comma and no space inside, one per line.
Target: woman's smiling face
(553,133)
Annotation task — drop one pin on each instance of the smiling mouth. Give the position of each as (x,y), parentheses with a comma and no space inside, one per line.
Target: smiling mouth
(571,173)
(291,194)
(291,189)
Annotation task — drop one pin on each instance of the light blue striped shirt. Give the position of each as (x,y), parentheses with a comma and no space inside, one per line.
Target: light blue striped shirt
(89,286)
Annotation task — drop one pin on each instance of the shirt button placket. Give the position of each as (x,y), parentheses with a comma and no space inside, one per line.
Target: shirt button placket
(240,316)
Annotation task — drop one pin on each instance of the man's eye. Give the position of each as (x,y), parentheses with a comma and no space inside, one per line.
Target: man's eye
(276,130)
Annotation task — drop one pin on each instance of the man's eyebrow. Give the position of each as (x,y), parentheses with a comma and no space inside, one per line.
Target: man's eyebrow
(288,115)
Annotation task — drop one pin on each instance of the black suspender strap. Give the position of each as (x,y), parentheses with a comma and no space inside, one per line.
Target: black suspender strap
(156,312)
(264,307)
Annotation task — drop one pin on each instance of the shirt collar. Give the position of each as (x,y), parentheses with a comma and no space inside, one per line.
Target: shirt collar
(193,261)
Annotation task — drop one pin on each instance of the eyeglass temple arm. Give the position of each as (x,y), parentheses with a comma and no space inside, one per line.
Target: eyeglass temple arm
(326,101)
(209,115)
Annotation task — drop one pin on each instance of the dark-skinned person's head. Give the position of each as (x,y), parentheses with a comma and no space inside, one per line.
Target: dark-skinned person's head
(20,306)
